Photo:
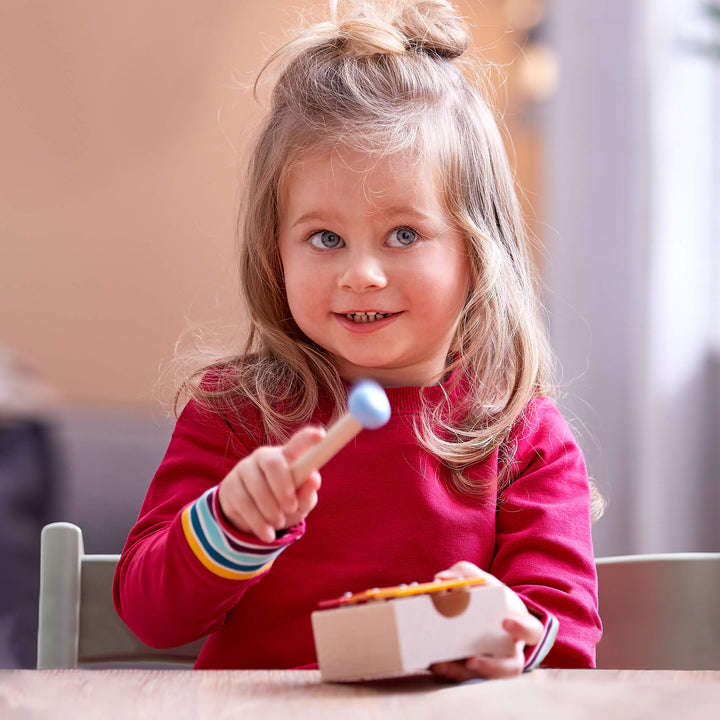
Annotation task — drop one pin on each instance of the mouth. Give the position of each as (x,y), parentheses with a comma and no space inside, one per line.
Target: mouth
(365,317)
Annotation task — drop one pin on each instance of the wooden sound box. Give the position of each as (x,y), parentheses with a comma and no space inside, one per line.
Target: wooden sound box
(401,630)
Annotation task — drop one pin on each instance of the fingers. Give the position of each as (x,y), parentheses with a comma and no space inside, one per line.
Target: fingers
(495,668)
(454,671)
(481,666)
(268,482)
(307,494)
(239,507)
(259,496)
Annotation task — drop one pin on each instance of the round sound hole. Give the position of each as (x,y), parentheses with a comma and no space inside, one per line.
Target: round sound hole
(451,602)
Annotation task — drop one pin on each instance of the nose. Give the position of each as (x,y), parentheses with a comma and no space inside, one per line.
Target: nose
(362,271)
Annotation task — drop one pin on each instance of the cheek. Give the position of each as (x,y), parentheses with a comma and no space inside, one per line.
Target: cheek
(449,278)
(452,292)
(303,289)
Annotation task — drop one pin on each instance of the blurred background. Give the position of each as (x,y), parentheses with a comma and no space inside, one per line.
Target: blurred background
(122,127)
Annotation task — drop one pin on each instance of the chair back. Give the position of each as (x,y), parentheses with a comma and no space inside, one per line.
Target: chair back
(78,624)
(660,612)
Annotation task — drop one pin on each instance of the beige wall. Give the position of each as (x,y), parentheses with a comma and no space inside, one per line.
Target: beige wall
(119,173)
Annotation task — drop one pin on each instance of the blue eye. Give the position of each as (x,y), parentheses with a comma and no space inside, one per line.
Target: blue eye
(326,240)
(402,237)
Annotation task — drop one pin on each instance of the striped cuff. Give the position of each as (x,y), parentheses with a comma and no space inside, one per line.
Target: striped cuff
(224,552)
(536,654)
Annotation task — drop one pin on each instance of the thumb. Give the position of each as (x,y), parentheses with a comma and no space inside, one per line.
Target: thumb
(302,441)
(524,627)
(465,569)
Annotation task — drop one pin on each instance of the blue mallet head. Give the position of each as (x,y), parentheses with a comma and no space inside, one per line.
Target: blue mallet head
(368,404)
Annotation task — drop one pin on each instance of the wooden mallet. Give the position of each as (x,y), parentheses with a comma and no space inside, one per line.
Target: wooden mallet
(368,407)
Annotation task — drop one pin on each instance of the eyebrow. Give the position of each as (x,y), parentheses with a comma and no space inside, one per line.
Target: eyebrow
(309,217)
(390,213)
(407,210)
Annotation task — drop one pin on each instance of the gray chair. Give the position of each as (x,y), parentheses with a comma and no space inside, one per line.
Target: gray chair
(78,625)
(660,612)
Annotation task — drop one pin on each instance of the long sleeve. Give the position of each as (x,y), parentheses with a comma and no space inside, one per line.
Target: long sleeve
(543,536)
(183,567)
(385,516)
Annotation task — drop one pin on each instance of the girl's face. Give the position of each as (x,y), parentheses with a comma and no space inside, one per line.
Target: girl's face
(376,272)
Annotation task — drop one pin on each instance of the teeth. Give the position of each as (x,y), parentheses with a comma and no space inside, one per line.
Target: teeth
(364,317)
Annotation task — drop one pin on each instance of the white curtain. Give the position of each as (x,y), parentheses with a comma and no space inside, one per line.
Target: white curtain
(633,189)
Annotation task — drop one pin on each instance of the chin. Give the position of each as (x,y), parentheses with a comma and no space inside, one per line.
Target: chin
(363,368)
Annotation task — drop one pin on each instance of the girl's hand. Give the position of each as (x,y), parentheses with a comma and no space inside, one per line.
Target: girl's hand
(524,628)
(258,496)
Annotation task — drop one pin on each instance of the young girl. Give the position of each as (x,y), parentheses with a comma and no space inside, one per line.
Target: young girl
(382,238)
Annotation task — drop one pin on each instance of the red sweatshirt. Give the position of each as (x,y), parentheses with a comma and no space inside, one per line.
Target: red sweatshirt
(384,517)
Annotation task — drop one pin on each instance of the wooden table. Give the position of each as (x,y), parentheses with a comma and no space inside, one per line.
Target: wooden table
(293,694)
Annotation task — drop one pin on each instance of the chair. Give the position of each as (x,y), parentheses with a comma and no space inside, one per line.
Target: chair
(78,625)
(660,612)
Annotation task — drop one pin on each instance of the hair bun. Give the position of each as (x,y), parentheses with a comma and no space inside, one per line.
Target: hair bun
(364,36)
(433,27)
(430,26)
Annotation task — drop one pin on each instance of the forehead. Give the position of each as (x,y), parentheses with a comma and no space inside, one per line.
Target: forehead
(378,178)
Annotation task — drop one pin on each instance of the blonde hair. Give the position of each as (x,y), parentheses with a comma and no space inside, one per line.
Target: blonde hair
(385,80)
